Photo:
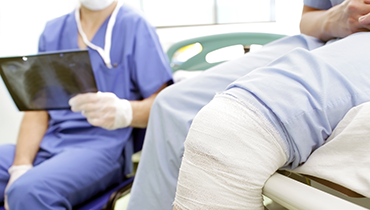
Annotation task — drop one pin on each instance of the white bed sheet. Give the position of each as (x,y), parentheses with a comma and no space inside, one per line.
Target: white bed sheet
(344,160)
(345,157)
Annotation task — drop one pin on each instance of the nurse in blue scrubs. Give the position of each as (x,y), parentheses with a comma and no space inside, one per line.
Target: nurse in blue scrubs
(62,158)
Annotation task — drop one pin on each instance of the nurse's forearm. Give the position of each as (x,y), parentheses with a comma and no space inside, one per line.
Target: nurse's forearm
(32,130)
(141,110)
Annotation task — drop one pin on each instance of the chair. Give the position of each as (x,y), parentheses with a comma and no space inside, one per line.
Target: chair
(106,199)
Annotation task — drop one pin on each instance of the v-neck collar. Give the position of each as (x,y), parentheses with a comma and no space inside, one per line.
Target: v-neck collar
(104,53)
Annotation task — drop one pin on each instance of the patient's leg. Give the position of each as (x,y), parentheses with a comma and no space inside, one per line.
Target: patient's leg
(228,158)
(172,113)
(230,152)
(309,92)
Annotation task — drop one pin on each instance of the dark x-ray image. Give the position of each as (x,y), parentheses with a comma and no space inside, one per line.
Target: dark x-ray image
(47,81)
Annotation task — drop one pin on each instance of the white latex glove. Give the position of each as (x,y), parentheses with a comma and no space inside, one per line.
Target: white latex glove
(105,110)
(15,172)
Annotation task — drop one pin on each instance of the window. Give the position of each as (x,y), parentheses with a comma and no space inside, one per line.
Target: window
(205,12)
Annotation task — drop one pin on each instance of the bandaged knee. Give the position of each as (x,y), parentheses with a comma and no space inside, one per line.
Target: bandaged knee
(230,152)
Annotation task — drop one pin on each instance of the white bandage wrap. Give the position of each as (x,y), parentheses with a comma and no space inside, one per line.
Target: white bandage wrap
(230,152)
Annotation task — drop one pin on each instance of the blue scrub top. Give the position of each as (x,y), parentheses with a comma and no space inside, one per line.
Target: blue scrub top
(140,69)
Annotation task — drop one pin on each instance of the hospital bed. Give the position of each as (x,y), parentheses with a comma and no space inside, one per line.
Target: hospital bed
(305,187)
(310,186)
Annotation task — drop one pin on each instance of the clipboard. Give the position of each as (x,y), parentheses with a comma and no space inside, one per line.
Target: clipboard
(47,81)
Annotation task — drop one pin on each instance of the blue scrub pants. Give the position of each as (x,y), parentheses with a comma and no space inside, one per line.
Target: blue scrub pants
(58,181)
(173,111)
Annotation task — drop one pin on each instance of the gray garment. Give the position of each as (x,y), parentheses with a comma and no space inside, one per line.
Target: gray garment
(322,4)
(309,92)
(172,113)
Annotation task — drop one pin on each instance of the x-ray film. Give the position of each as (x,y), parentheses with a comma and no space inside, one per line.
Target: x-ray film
(47,81)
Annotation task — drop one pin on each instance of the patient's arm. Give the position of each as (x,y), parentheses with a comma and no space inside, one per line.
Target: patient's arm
(336,22)
(32,130)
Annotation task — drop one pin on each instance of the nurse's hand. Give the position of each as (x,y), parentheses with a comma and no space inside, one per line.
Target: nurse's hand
(103,109)
(15,172)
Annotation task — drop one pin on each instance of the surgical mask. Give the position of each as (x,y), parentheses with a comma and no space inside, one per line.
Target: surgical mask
(96,4)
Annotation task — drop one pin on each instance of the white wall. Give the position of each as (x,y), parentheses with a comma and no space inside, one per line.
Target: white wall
(22,21)
(288,14)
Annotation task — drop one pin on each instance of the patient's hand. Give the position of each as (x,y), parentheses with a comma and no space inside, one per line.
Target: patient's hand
(365,21)
(349,17)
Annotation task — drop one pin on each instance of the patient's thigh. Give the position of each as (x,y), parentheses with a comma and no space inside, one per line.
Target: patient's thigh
(350,53)
(311,91)
(235,68)
(190,95)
